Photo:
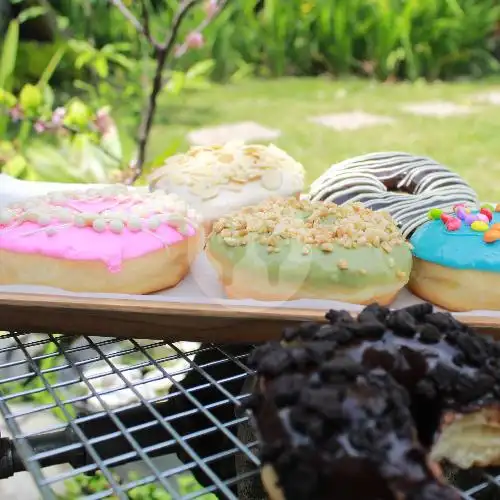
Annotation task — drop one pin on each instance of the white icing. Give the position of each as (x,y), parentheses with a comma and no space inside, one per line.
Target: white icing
(229,201)
(361,179)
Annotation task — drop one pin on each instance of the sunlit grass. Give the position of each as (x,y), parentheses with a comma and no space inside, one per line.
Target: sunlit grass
(468,144)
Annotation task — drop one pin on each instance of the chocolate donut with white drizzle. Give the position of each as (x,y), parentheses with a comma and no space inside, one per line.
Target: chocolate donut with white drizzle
(405,185)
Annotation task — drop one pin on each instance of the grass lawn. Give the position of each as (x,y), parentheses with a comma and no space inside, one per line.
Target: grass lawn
(469,144)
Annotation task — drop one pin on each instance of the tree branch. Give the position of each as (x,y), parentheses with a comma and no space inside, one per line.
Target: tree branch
(146,23)
(181,13)
(162,51)
(129,16)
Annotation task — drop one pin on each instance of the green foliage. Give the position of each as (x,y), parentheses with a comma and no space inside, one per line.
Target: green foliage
(7,65)
(382,38)
(82,486)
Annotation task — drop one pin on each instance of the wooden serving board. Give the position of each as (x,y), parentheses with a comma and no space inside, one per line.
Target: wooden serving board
(154,319)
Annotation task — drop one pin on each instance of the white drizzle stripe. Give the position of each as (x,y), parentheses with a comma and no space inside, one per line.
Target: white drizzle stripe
(364,178)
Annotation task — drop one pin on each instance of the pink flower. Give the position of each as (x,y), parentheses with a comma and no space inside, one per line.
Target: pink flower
(211,8)
(58,116)
(103,121)
(195,40)
(16,113)
(40,127)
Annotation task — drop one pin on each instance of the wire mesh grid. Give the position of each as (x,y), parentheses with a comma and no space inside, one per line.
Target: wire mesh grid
(113,402)
(123,401)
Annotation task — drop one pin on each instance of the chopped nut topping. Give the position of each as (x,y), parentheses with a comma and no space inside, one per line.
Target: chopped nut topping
(342,264)
(401,274)
(314,224)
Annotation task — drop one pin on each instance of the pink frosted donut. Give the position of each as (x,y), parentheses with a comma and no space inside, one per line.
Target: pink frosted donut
(99,240)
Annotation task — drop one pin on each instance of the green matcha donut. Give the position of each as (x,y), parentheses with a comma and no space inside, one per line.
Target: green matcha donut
(286,249)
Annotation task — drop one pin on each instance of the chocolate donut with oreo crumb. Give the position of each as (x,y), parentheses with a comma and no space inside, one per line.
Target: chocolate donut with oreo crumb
(451,373)
(340,431)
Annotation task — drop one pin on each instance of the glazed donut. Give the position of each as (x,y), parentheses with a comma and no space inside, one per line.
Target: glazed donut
(218,180)
(336,431)
(286,249)
(457,259)
(100,240)
(451,373)
(405,185)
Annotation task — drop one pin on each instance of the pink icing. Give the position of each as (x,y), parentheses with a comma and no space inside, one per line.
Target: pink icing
(76,243)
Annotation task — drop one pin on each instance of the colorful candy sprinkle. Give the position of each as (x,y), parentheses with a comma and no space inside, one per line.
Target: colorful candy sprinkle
(491,236)
(470,219)
(488,206)
(453,224)
(479,225)
(487,212)
(495,227)
(445,217)
(483,217)
(435,213)
(457,206)
(461,213)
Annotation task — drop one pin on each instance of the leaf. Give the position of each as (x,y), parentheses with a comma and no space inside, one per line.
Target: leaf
(48,96)
(122,60)
(8,58)
(51,67)
(9,54)
(83,59)
(201,68)
(113,48)
(101,66)
(175,83)
(31,13)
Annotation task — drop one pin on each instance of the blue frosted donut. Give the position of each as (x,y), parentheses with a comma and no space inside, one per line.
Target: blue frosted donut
(457,264)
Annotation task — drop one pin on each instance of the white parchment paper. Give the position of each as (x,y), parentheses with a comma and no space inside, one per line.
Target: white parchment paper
(201,286)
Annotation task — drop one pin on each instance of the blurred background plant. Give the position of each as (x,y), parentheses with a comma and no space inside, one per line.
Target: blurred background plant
(88,50)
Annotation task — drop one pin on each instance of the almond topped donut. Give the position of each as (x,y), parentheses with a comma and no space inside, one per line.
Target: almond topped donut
(99,240)
(219,179)
(287,249)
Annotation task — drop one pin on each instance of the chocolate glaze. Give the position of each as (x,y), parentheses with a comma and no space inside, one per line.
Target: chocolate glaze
(443,364)
(371,379)
(341,431)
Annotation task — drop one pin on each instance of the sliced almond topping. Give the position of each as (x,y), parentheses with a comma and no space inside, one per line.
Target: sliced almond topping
(272,180)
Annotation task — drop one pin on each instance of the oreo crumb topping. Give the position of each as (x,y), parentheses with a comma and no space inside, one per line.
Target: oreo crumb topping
(346,395)
(342,431)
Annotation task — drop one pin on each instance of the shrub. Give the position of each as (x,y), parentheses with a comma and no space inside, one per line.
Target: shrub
(384,38)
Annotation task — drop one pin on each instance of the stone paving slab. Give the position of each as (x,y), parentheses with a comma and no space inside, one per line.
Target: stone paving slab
(353,120)
(438,109)
(241,131)
(492,97)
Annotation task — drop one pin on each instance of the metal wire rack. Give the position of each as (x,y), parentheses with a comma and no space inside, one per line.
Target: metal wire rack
(172,412)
